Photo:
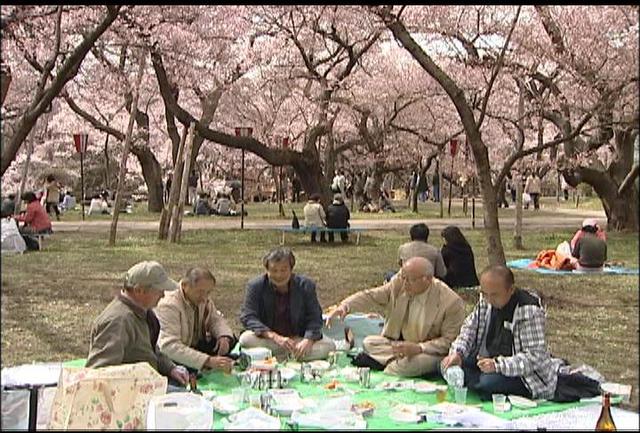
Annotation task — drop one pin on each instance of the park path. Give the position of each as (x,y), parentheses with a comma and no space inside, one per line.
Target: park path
(563,218)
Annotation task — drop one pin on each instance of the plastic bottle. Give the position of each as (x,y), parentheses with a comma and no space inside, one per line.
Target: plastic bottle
(454,376)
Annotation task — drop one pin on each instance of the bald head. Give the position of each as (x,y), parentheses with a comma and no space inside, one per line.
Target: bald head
(416,275)
(419,265)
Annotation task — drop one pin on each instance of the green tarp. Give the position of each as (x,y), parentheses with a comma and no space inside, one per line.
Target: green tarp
(384,400)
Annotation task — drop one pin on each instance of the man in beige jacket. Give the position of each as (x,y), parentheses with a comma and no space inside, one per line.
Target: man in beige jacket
(193,332)
(423,316)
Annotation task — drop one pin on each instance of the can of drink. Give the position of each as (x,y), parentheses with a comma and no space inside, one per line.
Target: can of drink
(364,374)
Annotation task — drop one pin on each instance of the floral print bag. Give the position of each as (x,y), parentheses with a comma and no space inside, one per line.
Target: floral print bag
(107,398)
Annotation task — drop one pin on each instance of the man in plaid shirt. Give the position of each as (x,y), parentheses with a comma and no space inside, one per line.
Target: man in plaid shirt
(501,345)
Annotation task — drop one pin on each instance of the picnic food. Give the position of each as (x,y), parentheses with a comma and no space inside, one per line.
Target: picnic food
(364,408)
(332,385)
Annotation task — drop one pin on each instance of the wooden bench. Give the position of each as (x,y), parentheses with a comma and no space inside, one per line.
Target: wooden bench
(303,230)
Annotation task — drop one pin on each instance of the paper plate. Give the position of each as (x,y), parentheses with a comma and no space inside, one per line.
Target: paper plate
(319,365)
(425,387)
(404,413)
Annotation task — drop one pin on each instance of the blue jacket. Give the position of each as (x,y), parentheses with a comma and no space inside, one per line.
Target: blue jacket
(257,312)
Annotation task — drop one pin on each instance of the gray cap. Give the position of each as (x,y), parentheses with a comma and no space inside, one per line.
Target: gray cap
(150,274)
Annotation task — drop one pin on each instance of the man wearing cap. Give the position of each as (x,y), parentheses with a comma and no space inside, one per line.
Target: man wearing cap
(338,217)
(127,329)
(192,330)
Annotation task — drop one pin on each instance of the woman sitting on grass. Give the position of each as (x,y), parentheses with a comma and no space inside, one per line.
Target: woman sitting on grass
(458,258)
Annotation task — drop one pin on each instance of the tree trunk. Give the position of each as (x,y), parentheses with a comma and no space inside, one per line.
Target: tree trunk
(621,209)
(125,153)
(152,174)
(175,230)
(517,234)
(312,179)
(167,212)
(5,82)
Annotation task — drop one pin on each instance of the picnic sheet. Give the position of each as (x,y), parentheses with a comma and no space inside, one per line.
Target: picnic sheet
(527,264)
(385,401)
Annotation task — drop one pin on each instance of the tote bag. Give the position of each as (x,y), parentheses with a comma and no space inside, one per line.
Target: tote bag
(112,398)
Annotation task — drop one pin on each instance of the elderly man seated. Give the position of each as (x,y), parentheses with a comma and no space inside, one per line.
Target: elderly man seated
(192,330)
(127,330)
(423,316)
(501,346)
(281,311)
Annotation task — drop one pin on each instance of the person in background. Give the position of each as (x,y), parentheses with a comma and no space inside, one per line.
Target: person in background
(12,240)
(224,205)
(192,186)
(458,259)
(127,330)
(201,206)
(423,316)
(600,233)
(296,187)
(338,217)
(533,188)
(52,193)
(9,204)
(435,182)
(68,202)
(384,202)
(167,187)
(590,250)
(281,311)
(35,219)
(314,216)
(338,184)
(192,330)
(501,347)
(418,246)
(98,205)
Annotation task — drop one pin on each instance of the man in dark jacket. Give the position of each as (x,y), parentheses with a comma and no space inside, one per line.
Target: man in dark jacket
(338,217)
(281,311)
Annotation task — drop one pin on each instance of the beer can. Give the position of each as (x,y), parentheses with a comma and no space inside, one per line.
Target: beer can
(364,374)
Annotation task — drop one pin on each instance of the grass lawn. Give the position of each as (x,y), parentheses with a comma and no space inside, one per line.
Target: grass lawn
(50,298)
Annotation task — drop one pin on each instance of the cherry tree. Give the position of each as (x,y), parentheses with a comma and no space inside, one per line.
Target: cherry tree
(592,54)
(29,30)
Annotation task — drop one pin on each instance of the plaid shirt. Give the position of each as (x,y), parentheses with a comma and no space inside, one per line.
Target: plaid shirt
(530,358)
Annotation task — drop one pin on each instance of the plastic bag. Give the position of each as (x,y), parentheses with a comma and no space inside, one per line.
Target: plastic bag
(179,411)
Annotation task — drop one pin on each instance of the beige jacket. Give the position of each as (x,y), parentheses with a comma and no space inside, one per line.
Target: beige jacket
(440,311)
(314,215)
(177,335)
